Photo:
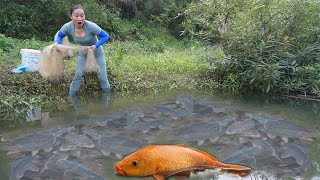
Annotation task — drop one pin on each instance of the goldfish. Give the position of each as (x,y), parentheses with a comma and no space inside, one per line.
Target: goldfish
(162,161)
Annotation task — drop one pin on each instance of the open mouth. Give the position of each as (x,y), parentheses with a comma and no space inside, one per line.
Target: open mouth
(119,170)
(79,23)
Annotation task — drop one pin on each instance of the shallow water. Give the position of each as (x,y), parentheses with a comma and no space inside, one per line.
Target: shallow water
(138,120)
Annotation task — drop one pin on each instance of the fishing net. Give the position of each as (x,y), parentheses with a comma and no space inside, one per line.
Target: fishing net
(51,66)
(65,41)
(51,63)
(91,65)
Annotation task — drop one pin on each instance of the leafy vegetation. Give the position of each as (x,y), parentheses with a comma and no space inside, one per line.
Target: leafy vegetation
(269,45)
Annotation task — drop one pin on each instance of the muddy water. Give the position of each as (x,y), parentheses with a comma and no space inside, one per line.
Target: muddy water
(276,136)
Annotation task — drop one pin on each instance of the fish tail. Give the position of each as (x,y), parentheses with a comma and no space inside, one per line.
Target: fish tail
(235,169)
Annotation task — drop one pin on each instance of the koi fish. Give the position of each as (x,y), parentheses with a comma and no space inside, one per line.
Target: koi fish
(162,161)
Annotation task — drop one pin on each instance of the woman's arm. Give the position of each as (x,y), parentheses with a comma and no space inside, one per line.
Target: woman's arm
(104,36)
(60,37)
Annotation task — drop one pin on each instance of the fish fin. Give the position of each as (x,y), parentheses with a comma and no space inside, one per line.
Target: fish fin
(305,138)
(34,153)
(276,156)
(181,177)
(12,152)
(285,155)
(241,173)
(199,143)
(214,139)
(119,156)
(299,161)
(202,152)
(271,136)
(66,172)
(105,153)
(285,139)
(76,153)
(48,149)
(45,168)
(145,131)
(182,145)
(235,169)
(158,176)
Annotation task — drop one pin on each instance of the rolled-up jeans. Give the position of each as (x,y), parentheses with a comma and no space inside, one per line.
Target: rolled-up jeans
(80,67)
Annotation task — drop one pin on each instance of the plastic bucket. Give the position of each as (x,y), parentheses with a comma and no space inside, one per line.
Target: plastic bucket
(30,57)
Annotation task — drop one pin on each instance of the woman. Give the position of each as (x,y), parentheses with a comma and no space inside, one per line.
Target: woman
(85,33)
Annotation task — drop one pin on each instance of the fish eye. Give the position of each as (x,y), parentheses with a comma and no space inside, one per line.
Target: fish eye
(135,163)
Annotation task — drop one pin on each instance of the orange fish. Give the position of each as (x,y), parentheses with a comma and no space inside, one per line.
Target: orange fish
(162,161)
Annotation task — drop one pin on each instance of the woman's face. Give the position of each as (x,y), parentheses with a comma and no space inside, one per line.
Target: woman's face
(78,17)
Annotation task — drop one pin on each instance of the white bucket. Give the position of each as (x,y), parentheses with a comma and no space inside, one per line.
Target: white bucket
(30,57)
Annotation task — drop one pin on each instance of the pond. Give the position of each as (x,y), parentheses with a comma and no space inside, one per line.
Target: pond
(277,137)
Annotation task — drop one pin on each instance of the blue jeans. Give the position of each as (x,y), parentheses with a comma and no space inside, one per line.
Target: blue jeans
(80,67)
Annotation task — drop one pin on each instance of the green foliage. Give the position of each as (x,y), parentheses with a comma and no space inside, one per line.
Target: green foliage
(139,66)
(208,20)
(172,16)
(5,43)
(127,9)
(270,45)
(41,19)
(130,9)
(26,19)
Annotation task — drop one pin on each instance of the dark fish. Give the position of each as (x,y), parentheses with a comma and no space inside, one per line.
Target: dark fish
(251,133)
(239,127)
(267,149)
(102,120)
(93,133)
(109,143)
(264,118)
(133,115)
(32,142)
(57,132)
(51,163)
(186,102)
(261,149)
(22,165)
(286,129)
(173,113)
(297,152)
(72,167)
(119,145)
(98,134)
(225,120)
(146,126)
(217,108)
(244,154)
(199,132)
(72,141)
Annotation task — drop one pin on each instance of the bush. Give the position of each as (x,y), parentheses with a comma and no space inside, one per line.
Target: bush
(268,44)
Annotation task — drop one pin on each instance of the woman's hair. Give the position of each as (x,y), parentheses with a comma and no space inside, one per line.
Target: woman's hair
(74,7)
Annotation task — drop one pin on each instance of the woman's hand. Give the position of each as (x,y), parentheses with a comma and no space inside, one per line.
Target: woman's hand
(92,47)
(56,44)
